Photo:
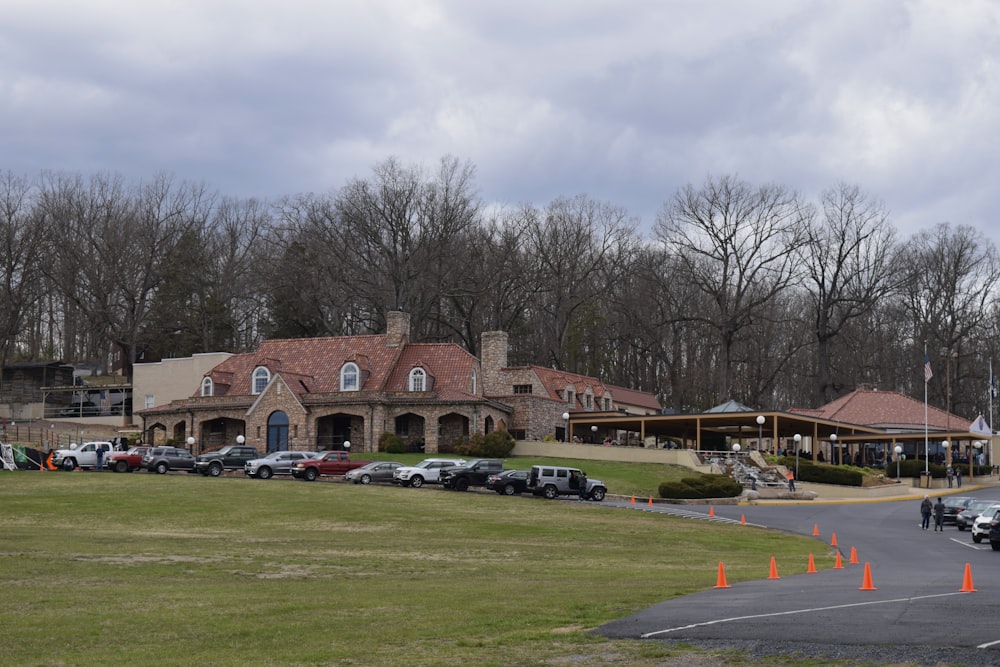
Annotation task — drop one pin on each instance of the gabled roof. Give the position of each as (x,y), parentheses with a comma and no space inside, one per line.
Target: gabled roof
(554,381)
(640,399)
(729,406)
(451,367)
(888,410)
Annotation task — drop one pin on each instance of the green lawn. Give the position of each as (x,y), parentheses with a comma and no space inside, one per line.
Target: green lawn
(142,569)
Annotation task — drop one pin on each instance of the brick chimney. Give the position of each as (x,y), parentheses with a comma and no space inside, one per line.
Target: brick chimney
(397,328)
(493,361)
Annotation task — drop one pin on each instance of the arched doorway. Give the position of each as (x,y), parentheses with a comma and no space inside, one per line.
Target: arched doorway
(277,431)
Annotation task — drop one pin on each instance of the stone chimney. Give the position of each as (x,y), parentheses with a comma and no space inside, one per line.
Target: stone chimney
(493,361)
(397,328)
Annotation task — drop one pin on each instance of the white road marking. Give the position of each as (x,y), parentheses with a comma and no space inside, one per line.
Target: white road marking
(794,611)
(988,644)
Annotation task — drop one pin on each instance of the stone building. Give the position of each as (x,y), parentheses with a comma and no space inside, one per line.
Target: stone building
(320,393)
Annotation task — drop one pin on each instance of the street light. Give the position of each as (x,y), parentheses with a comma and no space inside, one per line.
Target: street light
(190,442)
(760,429)
(899,450)
(833,445)
(797,438)
(566,419)
(240,439)
(736,448)
(347,445)
(593,430)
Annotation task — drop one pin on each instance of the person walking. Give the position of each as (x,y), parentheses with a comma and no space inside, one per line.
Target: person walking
(950,473)
(925,512)
(791,481)
(939,515)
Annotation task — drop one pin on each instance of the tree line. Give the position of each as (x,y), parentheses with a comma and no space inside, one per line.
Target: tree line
(738,291)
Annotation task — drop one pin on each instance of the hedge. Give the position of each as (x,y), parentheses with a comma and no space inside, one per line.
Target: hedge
(703,486)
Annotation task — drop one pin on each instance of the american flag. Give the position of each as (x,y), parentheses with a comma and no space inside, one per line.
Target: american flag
(927,368)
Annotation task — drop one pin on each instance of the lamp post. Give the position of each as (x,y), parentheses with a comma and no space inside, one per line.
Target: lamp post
(899,450)
(240,439)
(190,442)
(833,445)
(736,449)
(593,432)
(760,430)
(797,438)
(347,446)
(565,416)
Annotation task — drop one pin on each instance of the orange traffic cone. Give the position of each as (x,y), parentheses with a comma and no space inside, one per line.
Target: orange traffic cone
(838,564)
(774,570)
(815,530)
(967,586)
(720,581)
(633,499)
(866,583)
(833,539)
(854,557)
(651,501)
(743,519)
(811,568)
(711,510)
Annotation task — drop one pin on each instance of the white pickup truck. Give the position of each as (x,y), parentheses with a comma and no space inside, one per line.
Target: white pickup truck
(81,456)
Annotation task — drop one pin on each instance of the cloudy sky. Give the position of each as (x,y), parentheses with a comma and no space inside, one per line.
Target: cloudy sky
(622,100)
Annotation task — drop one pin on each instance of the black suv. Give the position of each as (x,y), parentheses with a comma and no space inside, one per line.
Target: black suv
(995,533)
(162,459)
(473,473)
(231,457)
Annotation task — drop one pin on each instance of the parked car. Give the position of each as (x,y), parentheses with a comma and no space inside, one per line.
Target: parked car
(473,473)
(376,471)
(555,481)
(80,409)
(81,455)
(508,482)
(981,526)
(994,534)
(427,471)
(164,459)
(966,517)
(230,457)
(333,462)
(954,505)
(275,463)
(127,461)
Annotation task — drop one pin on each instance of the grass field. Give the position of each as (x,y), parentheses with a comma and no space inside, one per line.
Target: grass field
(141,569)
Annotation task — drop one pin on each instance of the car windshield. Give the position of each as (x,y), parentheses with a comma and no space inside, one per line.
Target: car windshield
(980,505)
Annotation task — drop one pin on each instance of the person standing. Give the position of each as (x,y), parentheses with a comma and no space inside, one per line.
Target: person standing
(925,512)
(100,457)
(583,486)
(791,481)
(950,473)
(939,515)
(958,477)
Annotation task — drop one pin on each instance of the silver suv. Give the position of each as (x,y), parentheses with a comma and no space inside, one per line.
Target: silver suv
(555,481)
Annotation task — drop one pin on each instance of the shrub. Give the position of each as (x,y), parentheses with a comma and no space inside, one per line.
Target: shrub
(703,486)
(391,443)
(496,445)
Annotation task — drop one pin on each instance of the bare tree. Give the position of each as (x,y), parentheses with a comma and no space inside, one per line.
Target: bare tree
(736,244)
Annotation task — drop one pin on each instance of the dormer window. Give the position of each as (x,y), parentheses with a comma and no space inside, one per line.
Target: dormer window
(207,386)
(418,379)
(349,377)
(261,376)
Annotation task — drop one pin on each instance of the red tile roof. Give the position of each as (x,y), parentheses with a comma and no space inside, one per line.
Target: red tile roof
(886,409)
(634,397)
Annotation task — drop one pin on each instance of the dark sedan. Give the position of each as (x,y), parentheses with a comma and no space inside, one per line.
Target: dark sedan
(954,505)
(508,482)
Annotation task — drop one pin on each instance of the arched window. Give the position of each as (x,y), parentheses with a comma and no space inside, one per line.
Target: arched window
(418,379)
(206,386)
(349,377)
(277,431)
(261,376)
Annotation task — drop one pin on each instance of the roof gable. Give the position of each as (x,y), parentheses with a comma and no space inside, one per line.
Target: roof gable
(886,409)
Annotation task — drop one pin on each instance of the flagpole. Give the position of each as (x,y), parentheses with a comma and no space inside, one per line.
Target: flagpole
(927,363)
(989,452)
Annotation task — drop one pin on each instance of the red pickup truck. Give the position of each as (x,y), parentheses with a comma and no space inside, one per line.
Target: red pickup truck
(127,461)
(331,463)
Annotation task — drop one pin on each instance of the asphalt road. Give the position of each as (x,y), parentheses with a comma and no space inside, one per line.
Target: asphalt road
(917,614)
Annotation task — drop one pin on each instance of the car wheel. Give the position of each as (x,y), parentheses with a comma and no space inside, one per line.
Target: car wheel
(961,526)
(310,474)
(69,464)
(461,484)
(366,479)
(416,481)
(121,466)
(977,538)
(162,468)
(509,490)
(597,494)
(215,469)
(264,472)
(551,492)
